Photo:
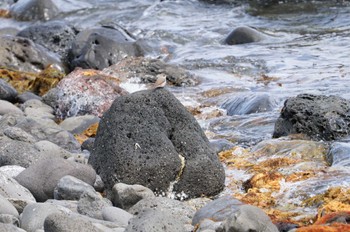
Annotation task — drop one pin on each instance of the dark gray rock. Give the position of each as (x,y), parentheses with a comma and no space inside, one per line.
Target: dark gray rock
(71,188)
(91,204)
(339,154)
(250,218)
(27,96)
(114,214)
(9,108)
(15,193)
(318,116)
(29,10)
(217,210)
(99,48)
(88,144)
(148,69)
(155,220)
(79,124)
(42,177)
(7,92)
(125,196)
(243,35)
(149,138)
(23,55)
(249,104)
(56,36)
(10,228)
(7,208)
(34,215)
(179,210)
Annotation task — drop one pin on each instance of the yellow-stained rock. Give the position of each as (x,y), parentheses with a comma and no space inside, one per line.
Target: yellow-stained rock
(88,133)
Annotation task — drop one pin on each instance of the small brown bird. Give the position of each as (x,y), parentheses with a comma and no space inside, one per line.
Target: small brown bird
(160,82)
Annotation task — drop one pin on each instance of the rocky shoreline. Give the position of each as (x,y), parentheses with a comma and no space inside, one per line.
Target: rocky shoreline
(78,152)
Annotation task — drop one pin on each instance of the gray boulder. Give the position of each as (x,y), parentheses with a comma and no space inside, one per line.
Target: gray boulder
(149,138)
(71,188)
(41,178)
(7,208)
(28,10)
(243,35)
(108,46)
(91,204)
(339,154)
(27,96)
(125,196)
(79,124)
(9,108)
(34,215)
(10,228)
(114,214)
(56,36)
(23,55)
(7,92)
(318,116)
(249,218)
(155,220)
(249,104)
(11,170)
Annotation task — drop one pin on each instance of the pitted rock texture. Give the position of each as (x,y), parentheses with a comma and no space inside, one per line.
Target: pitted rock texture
(149,138)
(318,116)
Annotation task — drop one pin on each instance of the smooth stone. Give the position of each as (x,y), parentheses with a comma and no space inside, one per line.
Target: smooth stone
(249,104)
(318,116)
(179,210)
(125,196)
(99,186)
(35,108)
(33,215)
(29,10)
(4,227)
(7,208)
(7,92)
(79,124)
(118,215)
(26,96)
(8,108)
(217,210)
(41,178)
(11,170)
(155,220)
(9,219)
(243,35)
(339,154)
(149,138)
(101,42)
(56,36)
(219,145)
(22,54)
(71,205)
(91,204)
(249,218)
(18,134)
(51,149)
(209,225)
(71,188)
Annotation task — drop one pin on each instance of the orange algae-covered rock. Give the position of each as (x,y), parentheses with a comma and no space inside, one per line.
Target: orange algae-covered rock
(336,227)
(334,222)
(89,132)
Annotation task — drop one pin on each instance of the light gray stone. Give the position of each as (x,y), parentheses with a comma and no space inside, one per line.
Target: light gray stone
(36,108)
(9,228)
(7,208)
(125,196)
(118,215)
(11,170)
(91,204)
(34,215)
(51,149)
(79,124)
(18,134)
(71,205)
(9,219)
(41,178)
(9,108)
(71,188)
(249,218)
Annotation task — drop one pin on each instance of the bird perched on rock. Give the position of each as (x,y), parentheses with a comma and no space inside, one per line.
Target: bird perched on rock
(161,81)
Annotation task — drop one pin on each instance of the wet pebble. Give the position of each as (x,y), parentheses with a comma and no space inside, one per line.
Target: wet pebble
(243,35)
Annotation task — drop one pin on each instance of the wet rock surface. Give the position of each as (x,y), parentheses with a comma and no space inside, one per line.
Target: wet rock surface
(157,142)
(318,116)
(98,48)
(243,35)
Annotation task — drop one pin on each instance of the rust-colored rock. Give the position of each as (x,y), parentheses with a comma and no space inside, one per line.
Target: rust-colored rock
(88,133)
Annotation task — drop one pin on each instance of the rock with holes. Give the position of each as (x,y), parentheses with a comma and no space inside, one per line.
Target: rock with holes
(28,10)
(146,70)
(56,36)
(83,92)
(23,55)
(99,48)
(149,138)
(318,116)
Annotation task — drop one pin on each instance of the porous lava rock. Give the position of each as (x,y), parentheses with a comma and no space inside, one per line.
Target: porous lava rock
(83,92)
(318,116)
(22,54)
(149,138)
